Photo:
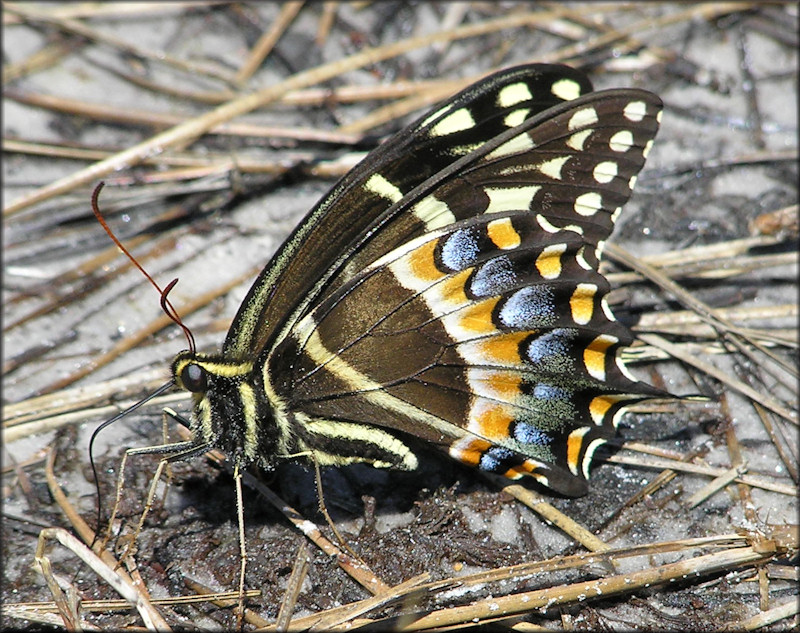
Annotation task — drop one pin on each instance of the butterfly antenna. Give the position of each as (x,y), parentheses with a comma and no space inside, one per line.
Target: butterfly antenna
(166,306)
(168,309)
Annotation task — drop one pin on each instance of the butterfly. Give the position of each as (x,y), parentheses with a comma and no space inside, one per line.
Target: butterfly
(445,290)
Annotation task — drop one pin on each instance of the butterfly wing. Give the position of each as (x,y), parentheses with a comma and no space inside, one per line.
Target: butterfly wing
(476,317)
(326,242)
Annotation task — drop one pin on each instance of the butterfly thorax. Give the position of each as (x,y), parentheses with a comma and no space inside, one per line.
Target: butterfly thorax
(231,409)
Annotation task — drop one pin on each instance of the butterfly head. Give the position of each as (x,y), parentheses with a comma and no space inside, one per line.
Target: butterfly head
(230,410)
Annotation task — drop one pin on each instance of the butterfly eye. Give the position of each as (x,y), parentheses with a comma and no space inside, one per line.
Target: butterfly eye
(194,378)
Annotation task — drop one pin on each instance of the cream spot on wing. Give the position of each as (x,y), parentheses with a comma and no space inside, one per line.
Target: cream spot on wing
(585,117)
(587,458)
(552,228)
(622,141)
(552,167)
(378,185)
(635,111)
(566,89)
(580,258)
(605,172)
(588,204)
(513,94)
(458,121)
(577,140)
(516,145)
(510,198)
(433,213)
(517,117)
(607,310)
(624,370)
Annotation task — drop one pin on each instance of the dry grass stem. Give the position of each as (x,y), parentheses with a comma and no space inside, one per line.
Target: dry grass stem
(265,44)
(188,131)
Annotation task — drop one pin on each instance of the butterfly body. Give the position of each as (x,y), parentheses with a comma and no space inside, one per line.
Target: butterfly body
(446,289)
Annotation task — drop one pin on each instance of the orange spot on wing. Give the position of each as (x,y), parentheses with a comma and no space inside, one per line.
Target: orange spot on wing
(549,263)
(504,348)
(528,468)
(422,263)
(599,406)
(505,384)
(503,234)
(452,289)
(582,303)
(594,356)
(471,452)
(574,445)
(493,422)
(478,317)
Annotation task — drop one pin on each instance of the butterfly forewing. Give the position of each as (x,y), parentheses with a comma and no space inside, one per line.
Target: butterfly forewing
(327,239)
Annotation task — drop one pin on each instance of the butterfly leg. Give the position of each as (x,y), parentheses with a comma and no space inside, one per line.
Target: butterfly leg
(237,478)
(173,451)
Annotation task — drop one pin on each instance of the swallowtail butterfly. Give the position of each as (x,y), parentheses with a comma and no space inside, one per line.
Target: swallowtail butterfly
(446,289)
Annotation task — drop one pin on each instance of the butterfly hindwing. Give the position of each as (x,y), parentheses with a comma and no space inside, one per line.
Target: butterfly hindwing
(491,318)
